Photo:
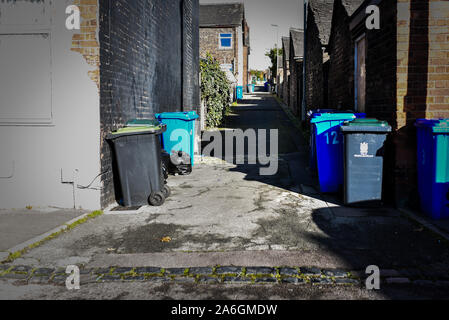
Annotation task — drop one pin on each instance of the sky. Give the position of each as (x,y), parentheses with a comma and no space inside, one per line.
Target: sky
(260,15)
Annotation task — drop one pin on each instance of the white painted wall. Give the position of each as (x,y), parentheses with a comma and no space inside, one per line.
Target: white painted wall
(49,110)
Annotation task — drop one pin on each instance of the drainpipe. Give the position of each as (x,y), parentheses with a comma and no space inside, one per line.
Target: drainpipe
(304,83)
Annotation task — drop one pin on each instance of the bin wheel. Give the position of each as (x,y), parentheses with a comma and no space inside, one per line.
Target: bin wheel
(156,199)
(166,191)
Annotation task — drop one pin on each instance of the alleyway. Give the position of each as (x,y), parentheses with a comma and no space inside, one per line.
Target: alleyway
(227,214)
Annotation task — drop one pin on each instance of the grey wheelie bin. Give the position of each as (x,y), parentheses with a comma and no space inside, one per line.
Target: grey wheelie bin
(364,141)
(137,156)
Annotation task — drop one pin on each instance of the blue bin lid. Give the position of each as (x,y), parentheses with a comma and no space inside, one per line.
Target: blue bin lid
(437,125)
(187,116)
(321,117)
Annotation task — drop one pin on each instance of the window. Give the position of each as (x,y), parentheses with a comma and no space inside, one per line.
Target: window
(225,40)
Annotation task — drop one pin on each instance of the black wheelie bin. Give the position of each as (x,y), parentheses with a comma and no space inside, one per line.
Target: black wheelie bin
(137,153)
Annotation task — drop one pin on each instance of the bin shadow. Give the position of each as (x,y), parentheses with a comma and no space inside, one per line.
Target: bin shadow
(383,238)
(118,193)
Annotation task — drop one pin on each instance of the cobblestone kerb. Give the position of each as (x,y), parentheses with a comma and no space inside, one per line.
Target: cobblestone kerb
(219,274)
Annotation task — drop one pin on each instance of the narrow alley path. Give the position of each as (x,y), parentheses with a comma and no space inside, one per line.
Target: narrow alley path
(227,214)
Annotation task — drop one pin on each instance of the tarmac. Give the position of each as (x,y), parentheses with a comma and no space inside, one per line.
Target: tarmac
(225,214)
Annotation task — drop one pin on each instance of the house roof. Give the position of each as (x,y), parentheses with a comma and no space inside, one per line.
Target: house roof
(297,37)
(351,5)
(222,14)
(322,12)
(286,47)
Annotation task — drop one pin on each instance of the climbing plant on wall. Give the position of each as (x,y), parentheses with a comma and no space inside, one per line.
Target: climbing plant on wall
(215,91)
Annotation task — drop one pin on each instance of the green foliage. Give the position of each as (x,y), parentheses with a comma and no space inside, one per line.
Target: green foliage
(215,91)
(273,54)
(258,74)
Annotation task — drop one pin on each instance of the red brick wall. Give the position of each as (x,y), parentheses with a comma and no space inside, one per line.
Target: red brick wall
(422,89)
(85,42)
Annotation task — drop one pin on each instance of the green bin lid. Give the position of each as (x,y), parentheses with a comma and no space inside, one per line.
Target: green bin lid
(130,131)
(366,125)
(136,130)
(142,123)
(367,122)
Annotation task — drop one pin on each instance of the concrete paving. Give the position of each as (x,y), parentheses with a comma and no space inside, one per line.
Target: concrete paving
(12,290)
(20,225)
(227,214)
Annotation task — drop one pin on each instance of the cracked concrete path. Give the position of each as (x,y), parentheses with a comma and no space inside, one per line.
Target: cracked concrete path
(228,213)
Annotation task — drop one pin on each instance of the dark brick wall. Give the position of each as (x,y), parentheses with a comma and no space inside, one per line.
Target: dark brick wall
(381,65)
(286,82)
(315,94)
(341,65)
(295,84)
(381,92)
(149,60)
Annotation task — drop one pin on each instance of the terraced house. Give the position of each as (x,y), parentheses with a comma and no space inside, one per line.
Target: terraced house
(224,33)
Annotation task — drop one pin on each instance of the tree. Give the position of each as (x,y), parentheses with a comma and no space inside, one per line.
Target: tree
(258,74)
(273,54)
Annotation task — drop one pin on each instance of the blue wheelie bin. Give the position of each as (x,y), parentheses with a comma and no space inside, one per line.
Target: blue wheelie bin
(329,149)
(312,143)
(179,139)
(433,167)
(239,92)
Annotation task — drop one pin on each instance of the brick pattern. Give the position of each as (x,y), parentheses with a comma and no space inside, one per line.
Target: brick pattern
(286,79)
(295,84)
(209,43)
(246,53)
(149,64)
(423,27)
(341,68)
(315,94)
(422,87)
(85,42)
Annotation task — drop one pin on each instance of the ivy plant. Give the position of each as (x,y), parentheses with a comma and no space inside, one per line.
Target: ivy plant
(215,91)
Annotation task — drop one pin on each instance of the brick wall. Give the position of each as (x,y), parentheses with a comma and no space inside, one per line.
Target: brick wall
(296,92)
(245,67)
(286,82)
(209,43)
(85,42)
(148,55)
(314,66)
(246,53)
(422,88)
(438,72)
(406,78)
(341,65)
(295,88)
(423,57)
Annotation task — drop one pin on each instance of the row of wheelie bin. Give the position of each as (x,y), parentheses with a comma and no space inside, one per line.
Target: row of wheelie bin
(347,150)
(146,151)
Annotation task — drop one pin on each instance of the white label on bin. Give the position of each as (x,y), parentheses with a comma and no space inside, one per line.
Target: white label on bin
(364,150)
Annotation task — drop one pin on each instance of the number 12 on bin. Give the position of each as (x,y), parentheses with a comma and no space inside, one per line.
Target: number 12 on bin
(332,138)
